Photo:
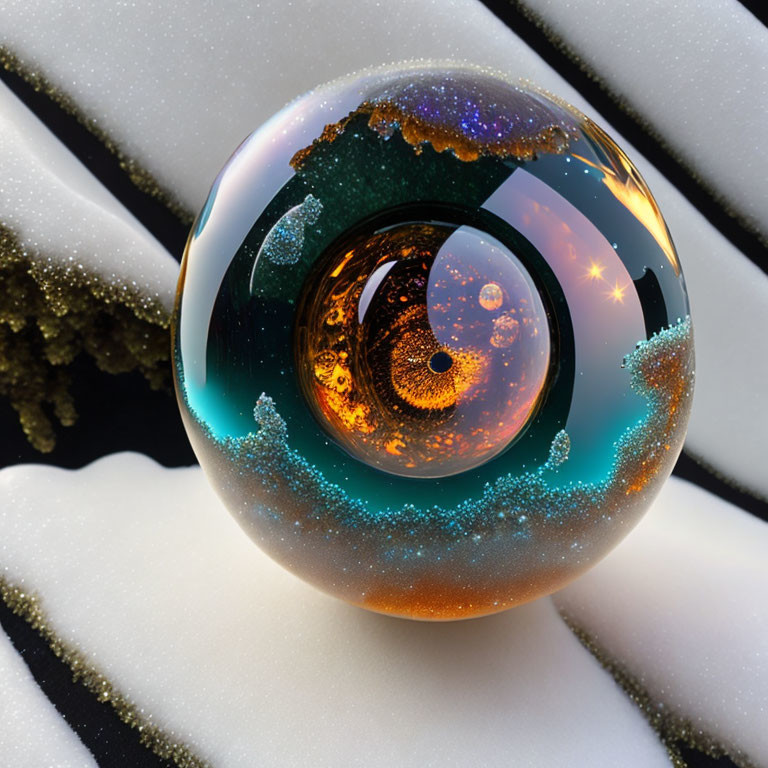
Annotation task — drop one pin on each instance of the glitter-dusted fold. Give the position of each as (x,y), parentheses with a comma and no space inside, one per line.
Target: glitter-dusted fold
(28,606)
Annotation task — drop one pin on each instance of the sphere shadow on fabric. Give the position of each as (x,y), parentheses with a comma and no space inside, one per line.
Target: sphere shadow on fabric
(431,341)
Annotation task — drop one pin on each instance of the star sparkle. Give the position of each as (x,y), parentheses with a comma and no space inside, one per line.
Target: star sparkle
(595,271)
(616,294)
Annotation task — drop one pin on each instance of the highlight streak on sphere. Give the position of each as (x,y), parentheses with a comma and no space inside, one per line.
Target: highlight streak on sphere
(431,341)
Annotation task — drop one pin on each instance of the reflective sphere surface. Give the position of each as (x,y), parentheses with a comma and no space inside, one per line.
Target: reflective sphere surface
(431,341)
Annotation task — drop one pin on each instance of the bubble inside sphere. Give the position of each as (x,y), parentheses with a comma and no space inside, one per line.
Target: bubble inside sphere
(432,343)
(491,297)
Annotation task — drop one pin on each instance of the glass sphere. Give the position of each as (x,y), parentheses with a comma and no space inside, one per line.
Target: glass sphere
(432,343)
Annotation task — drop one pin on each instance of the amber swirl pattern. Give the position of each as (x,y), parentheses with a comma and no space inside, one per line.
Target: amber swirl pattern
(431,341)
(423,348)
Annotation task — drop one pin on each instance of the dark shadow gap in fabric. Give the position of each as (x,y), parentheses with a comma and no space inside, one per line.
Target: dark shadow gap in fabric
(689,469)
(112,742)
(758,8)
(116,412)
(695,759)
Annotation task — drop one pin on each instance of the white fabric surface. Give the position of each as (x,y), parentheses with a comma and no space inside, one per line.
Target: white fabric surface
(32,733)
(180,85)
(178,91)
(252,662)
(682,602)
(697,72)
(57,209)
(143,570)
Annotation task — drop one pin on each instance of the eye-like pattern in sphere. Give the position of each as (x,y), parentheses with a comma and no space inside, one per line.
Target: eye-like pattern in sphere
(431,341)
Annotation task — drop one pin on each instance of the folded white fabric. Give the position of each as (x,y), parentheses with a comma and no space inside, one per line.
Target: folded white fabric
(32,733)
(143,570)
(57,209)
(681,603)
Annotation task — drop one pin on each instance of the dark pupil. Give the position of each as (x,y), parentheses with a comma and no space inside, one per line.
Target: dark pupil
(440,362)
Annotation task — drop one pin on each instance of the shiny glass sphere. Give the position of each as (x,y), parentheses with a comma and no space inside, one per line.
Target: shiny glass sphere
(431,342)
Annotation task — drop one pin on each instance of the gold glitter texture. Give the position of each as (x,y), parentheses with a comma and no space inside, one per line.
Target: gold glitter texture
(673,729)
(49,314)
(166,746)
